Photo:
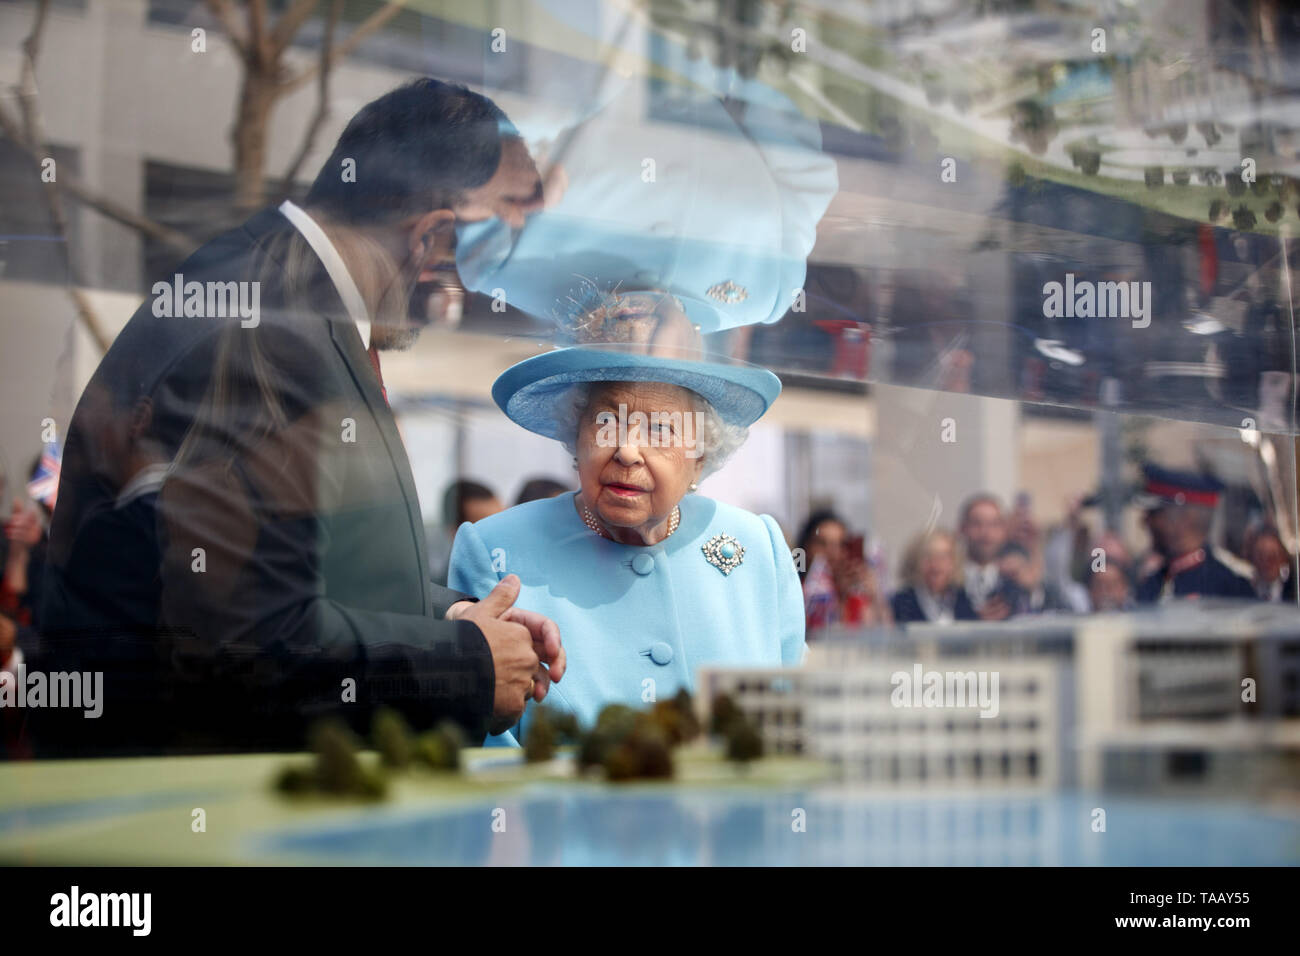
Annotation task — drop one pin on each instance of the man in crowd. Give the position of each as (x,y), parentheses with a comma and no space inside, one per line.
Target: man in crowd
(983,531)
(1109,589)
(282,574)
(1025,588)
(466,500)
(535,489)
(1179,513)
(1273,578)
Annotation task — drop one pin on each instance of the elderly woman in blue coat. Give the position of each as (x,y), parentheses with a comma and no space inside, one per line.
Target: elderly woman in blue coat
(647,580)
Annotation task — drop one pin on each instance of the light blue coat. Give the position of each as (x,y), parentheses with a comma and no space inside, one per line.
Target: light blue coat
(627,614)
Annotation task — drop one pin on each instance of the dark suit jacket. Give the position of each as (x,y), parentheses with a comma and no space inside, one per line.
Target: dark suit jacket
(280,572)
(907,607)
(1210,578)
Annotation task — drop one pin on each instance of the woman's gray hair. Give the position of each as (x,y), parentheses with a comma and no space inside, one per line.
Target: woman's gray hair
(716,441)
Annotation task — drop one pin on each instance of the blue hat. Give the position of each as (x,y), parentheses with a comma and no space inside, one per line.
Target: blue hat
(557,267)
(1165,486)
(527,391)
(719,213)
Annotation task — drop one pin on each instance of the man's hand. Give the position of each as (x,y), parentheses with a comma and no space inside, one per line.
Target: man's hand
(546,641)
(546,645)
(519,641)
(994,609)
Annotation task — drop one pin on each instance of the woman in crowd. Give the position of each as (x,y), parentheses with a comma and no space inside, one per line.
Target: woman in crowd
(933,593)
(840,586)
(647,580)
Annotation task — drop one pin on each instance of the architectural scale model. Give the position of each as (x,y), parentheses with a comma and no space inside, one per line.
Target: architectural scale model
(1182,698)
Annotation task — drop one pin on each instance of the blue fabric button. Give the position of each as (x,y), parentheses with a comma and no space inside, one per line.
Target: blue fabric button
(644,564)
(661,653)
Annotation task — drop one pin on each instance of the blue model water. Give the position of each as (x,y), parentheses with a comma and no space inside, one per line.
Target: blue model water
(661,826)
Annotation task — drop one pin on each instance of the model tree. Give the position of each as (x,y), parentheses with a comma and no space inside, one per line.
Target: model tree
(613,724)
(439,749)
(722,713)
(628,744)
(539,742)
(338,769)
(744,742)
(645,753)
(676,718)
(567,729)
(391,736)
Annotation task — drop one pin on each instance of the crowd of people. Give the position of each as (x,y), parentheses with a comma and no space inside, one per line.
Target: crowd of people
(999,563)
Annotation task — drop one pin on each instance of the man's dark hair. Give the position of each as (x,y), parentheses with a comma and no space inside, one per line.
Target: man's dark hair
(815,520)
(416,149)
(454,498)
(1013,548)
(979,498)
(536,489)
(1267,531)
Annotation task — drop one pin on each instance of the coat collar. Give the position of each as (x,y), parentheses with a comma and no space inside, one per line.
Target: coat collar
(329,256)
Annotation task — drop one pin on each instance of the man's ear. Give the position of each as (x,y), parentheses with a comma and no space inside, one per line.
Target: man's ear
(432,237)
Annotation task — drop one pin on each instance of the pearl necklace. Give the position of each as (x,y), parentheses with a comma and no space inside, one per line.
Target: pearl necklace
(592,522)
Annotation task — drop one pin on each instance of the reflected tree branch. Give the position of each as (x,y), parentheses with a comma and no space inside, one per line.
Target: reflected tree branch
(322,95)
(33,133)
(344,49)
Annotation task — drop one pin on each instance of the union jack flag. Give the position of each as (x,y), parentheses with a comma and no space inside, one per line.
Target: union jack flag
(44,486)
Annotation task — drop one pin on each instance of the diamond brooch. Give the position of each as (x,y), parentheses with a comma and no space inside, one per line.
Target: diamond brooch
(723,552)
(728,292)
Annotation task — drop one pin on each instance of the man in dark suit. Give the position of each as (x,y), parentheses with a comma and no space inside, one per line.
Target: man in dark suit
(1274,578)
(238,543)
(1179,512)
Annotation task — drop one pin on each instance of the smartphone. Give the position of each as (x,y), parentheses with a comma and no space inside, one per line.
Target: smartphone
(1010,592)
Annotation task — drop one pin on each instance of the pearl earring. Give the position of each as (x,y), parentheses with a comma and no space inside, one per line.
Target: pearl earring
(695,486)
